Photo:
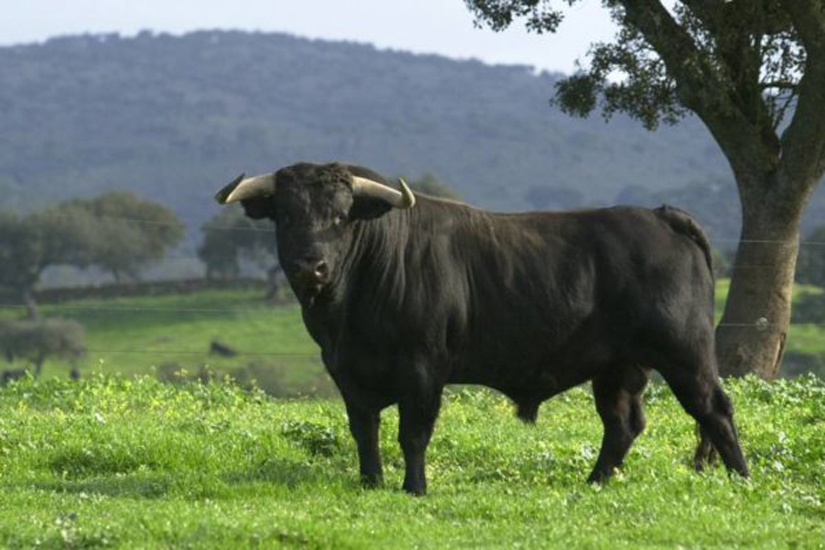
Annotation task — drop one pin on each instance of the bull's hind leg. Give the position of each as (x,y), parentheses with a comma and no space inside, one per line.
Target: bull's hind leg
(618,396)
(700,394)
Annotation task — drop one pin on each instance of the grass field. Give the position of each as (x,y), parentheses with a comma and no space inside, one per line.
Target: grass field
(163,334)
(145,335)
(134,463)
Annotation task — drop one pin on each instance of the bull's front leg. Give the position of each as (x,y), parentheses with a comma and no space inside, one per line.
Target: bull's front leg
(364,425)
(418,406)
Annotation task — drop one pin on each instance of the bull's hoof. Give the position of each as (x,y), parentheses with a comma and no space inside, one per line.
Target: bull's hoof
(416,491)
(372,481)
(599,476)
(705,455)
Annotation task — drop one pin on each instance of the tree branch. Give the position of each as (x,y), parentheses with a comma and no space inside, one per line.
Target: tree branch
(710,12)
(701,88)
(778,85)
(803,142)
(808,18)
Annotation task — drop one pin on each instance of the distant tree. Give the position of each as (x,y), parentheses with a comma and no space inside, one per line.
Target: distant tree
(130,232)
(741,66)
(116,231)
(229,238)
(44,238)
(22,258)
(811,265)
(37,340)
(220,250)
(431,185)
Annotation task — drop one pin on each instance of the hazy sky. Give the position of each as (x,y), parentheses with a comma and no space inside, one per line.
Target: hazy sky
(428,26)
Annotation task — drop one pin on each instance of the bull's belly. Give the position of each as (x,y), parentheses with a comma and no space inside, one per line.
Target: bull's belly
(540,379)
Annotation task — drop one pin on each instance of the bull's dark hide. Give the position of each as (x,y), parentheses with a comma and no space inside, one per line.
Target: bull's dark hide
(404,301)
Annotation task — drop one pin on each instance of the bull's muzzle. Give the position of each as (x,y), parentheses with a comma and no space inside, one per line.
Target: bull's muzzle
(311,272)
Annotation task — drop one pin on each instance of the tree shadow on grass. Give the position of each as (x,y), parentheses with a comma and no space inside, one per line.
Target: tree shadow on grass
(288,473)
(147,487)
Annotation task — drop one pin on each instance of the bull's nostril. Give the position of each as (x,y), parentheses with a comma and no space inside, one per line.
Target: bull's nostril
(321,270)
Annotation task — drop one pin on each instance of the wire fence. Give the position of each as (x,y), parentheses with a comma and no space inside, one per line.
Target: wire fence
(234,311)
(760,324)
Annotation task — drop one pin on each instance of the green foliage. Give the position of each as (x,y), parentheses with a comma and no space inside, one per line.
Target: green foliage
(21,252)
(117,232)
(752,49)
(111,461)
(317,439)
(127,232)
(171,334)
(810,266)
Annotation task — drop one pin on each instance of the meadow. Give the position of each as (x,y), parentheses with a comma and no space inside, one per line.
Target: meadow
(130,462)
(164,335)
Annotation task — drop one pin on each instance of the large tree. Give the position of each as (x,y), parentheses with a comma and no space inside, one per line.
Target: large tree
(131,232)
(754,72)
(30,244)
(117,232)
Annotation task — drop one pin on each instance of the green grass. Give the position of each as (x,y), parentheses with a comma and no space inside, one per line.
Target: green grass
(133,463)
(161,335)
(802,338)
(141,335)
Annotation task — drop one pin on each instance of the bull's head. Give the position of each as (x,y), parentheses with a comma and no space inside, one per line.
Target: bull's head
(315,208)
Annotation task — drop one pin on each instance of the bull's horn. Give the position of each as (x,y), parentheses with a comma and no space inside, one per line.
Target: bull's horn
(247,188)
(399,199)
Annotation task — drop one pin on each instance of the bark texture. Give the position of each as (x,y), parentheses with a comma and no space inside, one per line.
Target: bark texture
(754,328)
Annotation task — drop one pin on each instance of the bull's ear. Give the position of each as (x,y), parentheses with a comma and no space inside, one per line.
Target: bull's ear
(368,208)
(259,208)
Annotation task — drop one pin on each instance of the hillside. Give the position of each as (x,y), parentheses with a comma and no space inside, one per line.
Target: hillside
(173,118)
(133,463)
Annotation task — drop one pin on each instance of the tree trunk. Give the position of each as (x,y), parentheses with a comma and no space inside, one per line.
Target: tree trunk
(32,313)
(751,335)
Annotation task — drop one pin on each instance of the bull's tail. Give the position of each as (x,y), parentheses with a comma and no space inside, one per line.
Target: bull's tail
(683,223)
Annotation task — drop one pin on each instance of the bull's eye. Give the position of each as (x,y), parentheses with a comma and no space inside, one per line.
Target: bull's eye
(337,220)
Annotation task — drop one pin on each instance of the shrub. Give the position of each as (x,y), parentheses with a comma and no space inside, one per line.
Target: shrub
(37,340)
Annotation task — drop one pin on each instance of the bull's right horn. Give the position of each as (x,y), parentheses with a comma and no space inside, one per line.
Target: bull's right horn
(247,188)
(399,199)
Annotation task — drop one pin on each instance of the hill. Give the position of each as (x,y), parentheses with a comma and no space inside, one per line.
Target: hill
(175,117)
(134,463)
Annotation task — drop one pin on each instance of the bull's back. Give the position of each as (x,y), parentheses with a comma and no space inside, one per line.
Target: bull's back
(552,296)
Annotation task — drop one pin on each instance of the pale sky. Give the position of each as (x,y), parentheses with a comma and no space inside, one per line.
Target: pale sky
(425,26)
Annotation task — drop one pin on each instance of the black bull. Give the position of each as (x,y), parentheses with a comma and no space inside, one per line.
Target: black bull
(405,300)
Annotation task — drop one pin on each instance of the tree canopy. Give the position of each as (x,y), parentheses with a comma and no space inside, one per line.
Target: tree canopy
(117,232)
(754,73)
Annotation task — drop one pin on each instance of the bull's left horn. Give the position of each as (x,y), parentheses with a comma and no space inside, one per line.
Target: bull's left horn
(399,199)
(247,188)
